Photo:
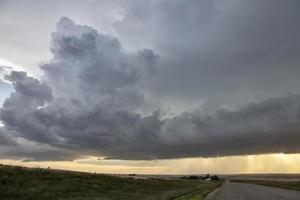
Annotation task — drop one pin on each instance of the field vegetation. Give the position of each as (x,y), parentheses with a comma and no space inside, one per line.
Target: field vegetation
(19,183)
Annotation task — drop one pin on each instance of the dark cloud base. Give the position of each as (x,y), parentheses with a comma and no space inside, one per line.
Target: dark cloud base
(88,104)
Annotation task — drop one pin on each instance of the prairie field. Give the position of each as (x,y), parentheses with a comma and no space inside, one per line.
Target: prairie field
(19,183)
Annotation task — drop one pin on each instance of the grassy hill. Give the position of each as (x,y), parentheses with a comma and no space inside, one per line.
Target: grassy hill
(18,183)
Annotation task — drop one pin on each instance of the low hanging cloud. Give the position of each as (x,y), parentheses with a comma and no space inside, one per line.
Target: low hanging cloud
(91,101)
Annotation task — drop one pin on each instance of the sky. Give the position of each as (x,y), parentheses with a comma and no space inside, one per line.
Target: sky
(161,86)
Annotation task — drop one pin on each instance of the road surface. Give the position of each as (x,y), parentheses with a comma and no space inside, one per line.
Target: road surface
(244,191)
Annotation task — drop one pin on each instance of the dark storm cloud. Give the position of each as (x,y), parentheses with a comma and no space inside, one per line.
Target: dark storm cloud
(6,137)
(87,91)
(85,104)
(248,47)
(230,52)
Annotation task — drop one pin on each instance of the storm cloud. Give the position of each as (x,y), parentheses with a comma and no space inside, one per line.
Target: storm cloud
(98,97)
(229,52)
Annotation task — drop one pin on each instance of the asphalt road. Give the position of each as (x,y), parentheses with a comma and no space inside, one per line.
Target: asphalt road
(244,191)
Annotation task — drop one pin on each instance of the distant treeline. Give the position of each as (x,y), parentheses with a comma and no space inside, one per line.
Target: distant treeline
(206,178)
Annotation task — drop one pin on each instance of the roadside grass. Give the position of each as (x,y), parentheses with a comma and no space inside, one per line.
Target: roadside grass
(200,193)
(19,183)
(291,185)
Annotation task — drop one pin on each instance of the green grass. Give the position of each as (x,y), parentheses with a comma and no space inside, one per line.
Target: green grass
(18,183)
(291,185)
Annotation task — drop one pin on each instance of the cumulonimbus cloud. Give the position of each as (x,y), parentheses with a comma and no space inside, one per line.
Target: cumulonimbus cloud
(89,99)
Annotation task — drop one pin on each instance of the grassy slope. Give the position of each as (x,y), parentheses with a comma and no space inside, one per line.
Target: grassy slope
(23,183)
(291,185)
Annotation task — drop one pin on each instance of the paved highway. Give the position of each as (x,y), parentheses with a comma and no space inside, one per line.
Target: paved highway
(244,191)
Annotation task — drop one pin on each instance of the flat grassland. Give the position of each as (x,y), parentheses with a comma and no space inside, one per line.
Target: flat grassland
(18,183)
(291,185)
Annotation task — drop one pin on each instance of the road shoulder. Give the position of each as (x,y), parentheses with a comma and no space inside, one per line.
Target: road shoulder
(213,195)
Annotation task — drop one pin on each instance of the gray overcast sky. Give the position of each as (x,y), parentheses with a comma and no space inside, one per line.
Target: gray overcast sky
(148,80)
